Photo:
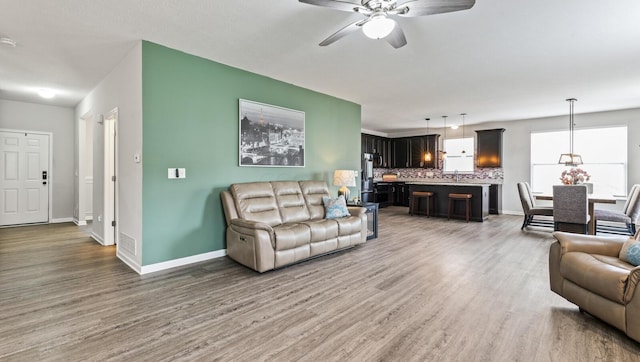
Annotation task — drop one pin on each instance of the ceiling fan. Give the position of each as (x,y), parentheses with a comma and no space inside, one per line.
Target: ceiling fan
(377,24)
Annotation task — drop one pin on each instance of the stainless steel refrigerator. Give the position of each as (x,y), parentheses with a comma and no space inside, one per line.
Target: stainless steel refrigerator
(367,178)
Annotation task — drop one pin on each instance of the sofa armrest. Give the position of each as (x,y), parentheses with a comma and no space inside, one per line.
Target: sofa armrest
(249,227)
(356,210)
(632,284)
(590,244)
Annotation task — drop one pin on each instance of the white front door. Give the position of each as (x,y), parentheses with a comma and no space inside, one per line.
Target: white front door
(24,171)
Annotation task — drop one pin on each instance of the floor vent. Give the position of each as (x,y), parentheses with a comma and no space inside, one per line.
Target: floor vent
(128,244)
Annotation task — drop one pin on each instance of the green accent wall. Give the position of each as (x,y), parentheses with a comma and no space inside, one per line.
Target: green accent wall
(190,120)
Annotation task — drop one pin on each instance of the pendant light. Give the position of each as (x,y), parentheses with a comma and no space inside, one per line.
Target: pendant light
(444,151)
(427,153)
(570,159)
(463,114)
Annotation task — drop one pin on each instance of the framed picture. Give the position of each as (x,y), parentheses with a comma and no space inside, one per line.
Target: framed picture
(270,136)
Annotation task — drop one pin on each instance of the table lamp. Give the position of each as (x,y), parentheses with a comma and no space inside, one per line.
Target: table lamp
(345,179)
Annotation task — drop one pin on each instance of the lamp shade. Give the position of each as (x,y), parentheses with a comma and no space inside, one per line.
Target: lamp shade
(344,178)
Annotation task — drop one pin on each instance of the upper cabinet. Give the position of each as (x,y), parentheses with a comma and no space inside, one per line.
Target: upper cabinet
(404,152)
(432,142)
(380,146)
(489,151)
(401,150)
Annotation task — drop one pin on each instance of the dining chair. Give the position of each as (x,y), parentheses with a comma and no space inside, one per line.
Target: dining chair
(530,208)
(571,208)
(628,216)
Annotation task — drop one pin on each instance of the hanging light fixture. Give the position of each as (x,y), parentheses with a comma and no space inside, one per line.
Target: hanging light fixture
(427,154)
(444,151)
(570,159)
(463,114)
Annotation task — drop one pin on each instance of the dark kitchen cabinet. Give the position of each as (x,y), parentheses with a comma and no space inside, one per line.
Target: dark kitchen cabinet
(410,151)
(431,144)
(495,199)
(404,152)
(400,153)
(417,147)
(489,147)
(379,146)
(401,194)
(385,151)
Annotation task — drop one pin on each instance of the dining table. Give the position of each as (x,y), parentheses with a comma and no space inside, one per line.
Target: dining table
(593,199)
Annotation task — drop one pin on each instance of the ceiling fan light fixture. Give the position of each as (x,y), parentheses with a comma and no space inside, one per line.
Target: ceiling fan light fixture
(378,27)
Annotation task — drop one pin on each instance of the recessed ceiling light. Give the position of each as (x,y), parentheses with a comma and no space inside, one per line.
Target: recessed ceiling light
(455,126)
(46,93)
(8,42)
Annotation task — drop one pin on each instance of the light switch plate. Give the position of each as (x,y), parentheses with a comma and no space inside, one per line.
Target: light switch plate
(176,173)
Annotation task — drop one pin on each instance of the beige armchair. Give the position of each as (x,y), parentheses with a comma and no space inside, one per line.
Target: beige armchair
(586,270)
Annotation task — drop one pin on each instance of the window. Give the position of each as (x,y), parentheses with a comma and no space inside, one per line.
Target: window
(603,151)
(456,160)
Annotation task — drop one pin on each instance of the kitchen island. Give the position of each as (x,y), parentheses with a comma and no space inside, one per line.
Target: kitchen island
(441,191)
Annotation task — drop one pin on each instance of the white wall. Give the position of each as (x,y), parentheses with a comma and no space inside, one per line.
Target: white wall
(121,89)
(58,121)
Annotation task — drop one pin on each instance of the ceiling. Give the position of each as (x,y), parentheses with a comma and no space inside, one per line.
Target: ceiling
(500,60)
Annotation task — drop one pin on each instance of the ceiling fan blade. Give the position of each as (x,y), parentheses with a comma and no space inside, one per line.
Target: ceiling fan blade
(429,7)
(335,4)
(353,27)
(396,38)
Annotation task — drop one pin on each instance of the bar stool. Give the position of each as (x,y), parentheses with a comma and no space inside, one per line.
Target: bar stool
(415,199)
(467,205)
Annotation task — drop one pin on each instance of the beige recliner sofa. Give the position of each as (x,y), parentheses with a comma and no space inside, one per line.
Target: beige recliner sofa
(273,224)
(586,270)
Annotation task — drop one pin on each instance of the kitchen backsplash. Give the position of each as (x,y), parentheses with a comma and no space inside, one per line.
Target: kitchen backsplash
(481,175)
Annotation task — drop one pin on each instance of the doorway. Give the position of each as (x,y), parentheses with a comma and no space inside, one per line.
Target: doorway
(110,178)
(25,166)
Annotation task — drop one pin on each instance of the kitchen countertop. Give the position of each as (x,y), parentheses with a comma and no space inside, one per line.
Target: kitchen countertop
(445,183)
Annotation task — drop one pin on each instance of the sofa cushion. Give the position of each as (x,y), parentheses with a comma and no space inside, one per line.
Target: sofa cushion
(256,201)
(289,236)
(630,252)
(335,208)
(603,275)
(291,203)
(322,229)
(349,225)
(313,192)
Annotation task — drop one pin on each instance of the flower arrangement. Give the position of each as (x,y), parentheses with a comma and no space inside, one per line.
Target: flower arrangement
(574,176)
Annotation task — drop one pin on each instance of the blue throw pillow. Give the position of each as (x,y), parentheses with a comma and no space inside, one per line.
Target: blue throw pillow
(630,252)
(335,208)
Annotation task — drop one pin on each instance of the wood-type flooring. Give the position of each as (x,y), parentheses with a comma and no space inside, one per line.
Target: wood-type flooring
(427,289)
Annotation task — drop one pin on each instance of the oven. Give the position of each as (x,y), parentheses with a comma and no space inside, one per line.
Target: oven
(383,193)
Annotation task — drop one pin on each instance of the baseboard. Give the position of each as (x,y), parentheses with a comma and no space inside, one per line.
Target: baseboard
(97,238)
(509,212)
(79,223)
(146,269)
(130,262)
(61,220)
